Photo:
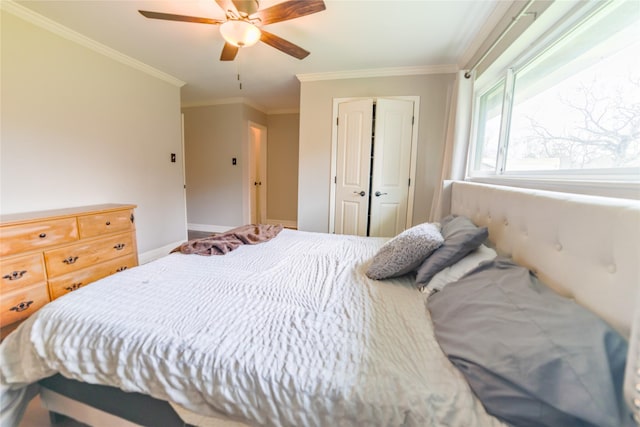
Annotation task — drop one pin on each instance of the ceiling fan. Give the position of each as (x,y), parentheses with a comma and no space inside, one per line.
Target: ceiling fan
(244,20)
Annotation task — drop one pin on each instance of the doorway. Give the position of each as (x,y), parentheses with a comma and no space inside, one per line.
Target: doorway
(373,165)
(257,174)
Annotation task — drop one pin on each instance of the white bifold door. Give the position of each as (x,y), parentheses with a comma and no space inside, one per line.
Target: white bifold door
(373,166)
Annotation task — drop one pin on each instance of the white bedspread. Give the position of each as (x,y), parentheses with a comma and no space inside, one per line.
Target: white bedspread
(289,332)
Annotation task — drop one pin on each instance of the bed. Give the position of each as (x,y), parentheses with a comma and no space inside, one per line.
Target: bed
(207,340)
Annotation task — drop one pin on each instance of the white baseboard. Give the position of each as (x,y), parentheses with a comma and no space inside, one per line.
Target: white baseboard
(210,228)
(154,254)
(284,222)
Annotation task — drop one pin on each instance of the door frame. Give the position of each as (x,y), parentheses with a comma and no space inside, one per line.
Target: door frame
(246,184)
(334,156)
(184,177)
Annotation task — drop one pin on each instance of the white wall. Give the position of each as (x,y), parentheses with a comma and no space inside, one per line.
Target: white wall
(282,167)
(214,184)
(214,135)
(316,98)
(79,128)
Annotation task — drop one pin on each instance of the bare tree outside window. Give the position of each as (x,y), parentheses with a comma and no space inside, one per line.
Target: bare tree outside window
(590,120)
(606,135)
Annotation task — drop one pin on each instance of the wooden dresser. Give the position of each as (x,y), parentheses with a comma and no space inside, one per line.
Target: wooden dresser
(44,255)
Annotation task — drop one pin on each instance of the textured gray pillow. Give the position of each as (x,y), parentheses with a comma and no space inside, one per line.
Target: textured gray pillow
(533,357)
(403,253)
(461,236)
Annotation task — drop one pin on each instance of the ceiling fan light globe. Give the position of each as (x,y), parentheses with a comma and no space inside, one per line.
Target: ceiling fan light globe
(240,33)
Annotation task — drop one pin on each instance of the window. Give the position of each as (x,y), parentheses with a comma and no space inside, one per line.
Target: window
(571,111)
(490,106)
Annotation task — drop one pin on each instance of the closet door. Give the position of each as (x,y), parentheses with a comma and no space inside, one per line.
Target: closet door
(353,166)
(391,167)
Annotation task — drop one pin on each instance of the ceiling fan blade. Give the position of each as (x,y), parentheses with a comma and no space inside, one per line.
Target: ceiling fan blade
(229,52)
(288,10)
(228,6)
(283,45)
(183,18)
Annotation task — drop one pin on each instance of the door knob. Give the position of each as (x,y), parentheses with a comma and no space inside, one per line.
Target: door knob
(361,193)
(378,194)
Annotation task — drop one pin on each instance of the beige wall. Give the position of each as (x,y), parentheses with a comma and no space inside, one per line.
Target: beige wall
(282,167)
(214,135)
(79,128)
(316,103)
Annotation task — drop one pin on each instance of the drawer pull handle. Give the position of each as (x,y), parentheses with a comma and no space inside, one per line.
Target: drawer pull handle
(132,218)
(42,235)
(74,287)
(70,260)
(119,246)
(108,222)
(121,269)
(24,305)
(15,275)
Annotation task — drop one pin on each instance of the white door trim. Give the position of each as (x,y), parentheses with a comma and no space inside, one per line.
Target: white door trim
(334,149)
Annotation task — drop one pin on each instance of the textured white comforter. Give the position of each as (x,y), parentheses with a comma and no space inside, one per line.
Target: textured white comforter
(288,332)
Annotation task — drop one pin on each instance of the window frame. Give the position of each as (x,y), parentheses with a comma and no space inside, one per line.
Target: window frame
(607,182)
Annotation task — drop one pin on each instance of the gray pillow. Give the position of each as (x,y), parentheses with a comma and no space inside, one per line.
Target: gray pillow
(533,357)
(403,253)
(461,236)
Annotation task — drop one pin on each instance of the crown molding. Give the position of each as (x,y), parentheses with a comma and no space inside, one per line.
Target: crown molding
(499,11)
(379,72)
(241,100)
(226,101)
(284,111)
(69,34)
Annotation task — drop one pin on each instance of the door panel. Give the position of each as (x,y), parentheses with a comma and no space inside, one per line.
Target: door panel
(351,219)
(353,166)
(393,215)
(391,167)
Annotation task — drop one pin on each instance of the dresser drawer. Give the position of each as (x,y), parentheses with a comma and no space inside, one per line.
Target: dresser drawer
(21,303)
(103,223)
(86,254)
(21,271)
(61,285)
(35,235)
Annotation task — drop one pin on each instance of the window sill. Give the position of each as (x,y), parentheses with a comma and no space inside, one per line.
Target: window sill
(624,190)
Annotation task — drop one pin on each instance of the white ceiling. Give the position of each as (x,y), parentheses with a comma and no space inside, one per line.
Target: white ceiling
(349,35)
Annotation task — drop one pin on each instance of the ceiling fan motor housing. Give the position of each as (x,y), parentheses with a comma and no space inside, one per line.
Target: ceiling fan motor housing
(246,7)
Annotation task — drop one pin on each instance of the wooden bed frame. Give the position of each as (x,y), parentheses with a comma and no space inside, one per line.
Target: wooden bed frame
(586,248)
